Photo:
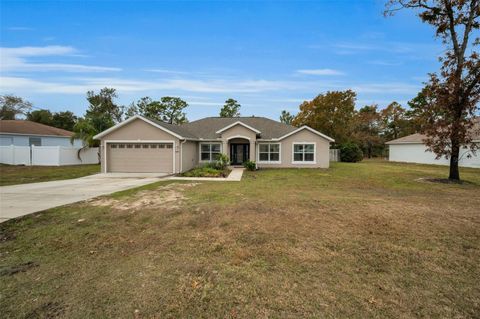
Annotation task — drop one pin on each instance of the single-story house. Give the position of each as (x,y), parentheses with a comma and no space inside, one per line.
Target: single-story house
(411,149)
(28,133)
(140,144)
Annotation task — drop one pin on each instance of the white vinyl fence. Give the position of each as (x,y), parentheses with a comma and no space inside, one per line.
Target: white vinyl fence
(47,155)
(334,155)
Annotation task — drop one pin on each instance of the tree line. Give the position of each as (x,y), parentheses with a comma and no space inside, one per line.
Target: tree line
(334,114)
(103,112)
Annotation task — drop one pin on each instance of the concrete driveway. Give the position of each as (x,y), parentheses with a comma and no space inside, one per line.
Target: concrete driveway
(19,200)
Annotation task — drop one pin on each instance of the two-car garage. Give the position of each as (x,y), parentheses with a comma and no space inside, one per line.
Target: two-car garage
(139,157)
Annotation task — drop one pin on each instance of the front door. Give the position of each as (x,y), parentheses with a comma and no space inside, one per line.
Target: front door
(239,153)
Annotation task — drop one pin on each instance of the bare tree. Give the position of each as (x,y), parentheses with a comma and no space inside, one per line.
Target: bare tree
(11,106)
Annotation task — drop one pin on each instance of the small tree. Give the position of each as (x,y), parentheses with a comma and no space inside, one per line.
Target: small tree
(453,95)
(11,106)
(102,113)
(231,108)
(286,117)
(331,113)
(65,120)
(367,129)
(40,116)
(395,123)
(350,152)
(173,110)
(168,109)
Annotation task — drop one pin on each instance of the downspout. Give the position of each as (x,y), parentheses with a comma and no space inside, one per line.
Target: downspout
(181,154)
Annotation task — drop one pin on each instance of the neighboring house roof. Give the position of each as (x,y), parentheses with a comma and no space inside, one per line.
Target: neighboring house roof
(23,127)
(418,138)
(210,128)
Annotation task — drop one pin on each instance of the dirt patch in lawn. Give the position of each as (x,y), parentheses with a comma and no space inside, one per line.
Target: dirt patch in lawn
(10,271)
(167,197)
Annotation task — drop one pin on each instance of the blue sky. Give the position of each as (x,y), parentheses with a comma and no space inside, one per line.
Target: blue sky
(269,55)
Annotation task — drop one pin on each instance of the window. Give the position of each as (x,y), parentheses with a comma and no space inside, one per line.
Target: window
(138,146)
(209,151)
(113,145)
(144,145)
(35,141)
(269,152)
(303,153)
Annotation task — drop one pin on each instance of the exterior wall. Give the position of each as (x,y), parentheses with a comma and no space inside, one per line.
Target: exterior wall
(189,155)
(416,153)
(137,131)
(235,132)
(322,151)
(23,140)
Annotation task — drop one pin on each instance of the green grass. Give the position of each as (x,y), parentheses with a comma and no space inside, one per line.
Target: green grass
(12,175)
(354,241)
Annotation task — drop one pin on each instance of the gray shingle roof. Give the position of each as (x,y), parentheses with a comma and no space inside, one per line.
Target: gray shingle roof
(206,128)
(177,129)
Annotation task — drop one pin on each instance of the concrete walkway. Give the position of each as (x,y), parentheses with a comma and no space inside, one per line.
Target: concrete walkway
(234,176)
(23,199)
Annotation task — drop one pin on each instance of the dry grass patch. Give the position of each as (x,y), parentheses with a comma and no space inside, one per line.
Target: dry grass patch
(170,196)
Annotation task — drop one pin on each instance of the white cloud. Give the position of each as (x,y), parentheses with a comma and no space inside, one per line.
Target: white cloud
(165,71)
(386,88)
(81,85)
(38,51)
(20,29)
(320,72)
(16,59)
(200,103)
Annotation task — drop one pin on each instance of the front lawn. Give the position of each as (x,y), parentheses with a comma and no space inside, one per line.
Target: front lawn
(17,174)
(363,240)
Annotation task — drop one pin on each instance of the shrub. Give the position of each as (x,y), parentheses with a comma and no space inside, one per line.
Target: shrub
(350,152)
(222,161)
(206,171)
(250,165)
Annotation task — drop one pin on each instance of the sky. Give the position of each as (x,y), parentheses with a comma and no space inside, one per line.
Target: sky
(268,55)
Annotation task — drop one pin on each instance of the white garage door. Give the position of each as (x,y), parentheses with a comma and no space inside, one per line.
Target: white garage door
(140,157)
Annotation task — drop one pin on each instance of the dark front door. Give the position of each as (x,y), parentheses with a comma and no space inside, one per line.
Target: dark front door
(239,153)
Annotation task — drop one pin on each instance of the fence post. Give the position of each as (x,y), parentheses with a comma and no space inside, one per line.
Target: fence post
(12,147)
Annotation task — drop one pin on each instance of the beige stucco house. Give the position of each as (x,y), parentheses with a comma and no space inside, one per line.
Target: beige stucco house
(140,144)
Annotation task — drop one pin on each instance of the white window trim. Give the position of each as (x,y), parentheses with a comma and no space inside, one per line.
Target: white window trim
(270,162)
(105,161)
(200,151)
(304,162)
